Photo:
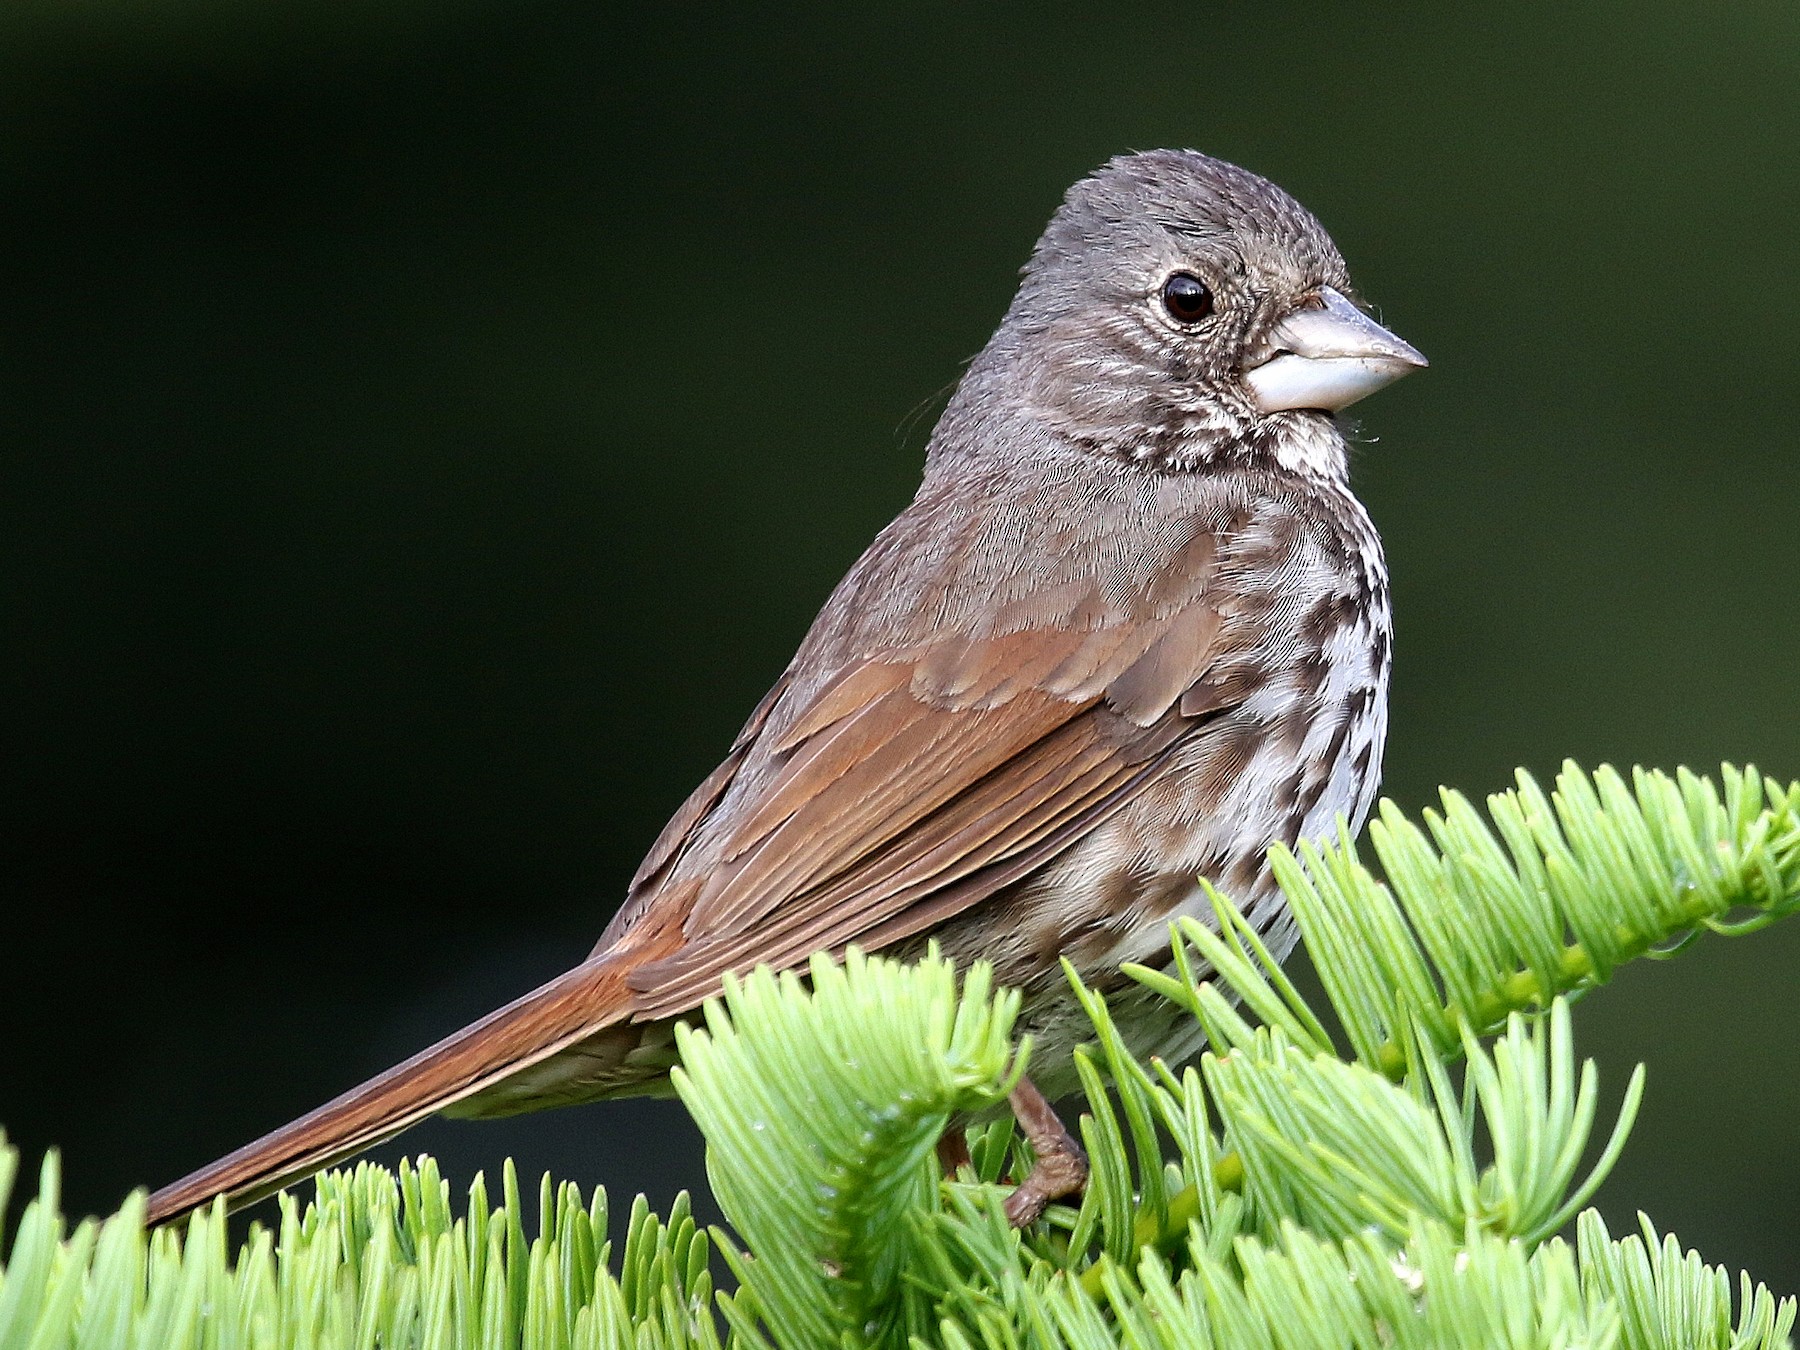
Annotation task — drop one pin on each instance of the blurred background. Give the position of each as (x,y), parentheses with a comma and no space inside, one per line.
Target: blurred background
(428,428)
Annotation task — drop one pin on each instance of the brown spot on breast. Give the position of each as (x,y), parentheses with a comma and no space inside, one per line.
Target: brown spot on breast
(1330,614)
(1165,895)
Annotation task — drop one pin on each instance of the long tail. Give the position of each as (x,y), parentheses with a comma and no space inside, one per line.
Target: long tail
(530,1029)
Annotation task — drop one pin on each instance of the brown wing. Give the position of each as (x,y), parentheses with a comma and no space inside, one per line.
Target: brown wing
(916,784)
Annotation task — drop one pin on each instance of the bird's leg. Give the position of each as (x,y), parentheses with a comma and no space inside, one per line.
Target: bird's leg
(1061,1168)
(953,1151)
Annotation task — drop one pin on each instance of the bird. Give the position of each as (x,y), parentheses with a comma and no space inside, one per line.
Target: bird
(1133,629)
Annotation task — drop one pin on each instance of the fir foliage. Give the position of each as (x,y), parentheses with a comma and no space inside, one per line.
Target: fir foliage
(1415,1189)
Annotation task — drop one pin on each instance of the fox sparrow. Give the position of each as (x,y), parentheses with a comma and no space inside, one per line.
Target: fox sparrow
(1133,629)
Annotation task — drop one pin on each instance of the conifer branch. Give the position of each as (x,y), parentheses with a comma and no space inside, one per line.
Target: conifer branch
(1476,921)
(1275,1194)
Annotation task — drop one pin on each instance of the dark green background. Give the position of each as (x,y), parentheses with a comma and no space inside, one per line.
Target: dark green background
(428,429)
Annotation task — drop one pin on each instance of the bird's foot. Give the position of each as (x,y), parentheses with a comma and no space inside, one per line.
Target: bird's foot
(953,1151)
(1062,1167)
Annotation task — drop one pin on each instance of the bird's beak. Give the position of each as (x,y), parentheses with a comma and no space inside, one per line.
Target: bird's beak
(1327,356)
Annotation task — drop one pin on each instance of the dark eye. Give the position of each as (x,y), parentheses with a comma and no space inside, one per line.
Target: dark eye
(1186,298)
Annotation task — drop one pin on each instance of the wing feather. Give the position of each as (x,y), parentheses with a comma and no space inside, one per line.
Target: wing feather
(924,777)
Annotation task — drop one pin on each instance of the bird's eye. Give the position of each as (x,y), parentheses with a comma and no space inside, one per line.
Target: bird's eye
(1187,298)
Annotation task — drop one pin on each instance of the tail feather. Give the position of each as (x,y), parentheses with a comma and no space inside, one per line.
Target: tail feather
(530,1029)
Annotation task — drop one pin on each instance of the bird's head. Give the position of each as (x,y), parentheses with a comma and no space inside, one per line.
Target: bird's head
(1177,306)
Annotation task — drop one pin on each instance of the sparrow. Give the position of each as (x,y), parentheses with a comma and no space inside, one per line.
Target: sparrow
(1133,629)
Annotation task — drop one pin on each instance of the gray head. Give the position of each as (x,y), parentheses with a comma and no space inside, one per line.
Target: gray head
(1178,307)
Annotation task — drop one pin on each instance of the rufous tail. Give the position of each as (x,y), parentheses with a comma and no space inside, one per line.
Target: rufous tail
(530,1029)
